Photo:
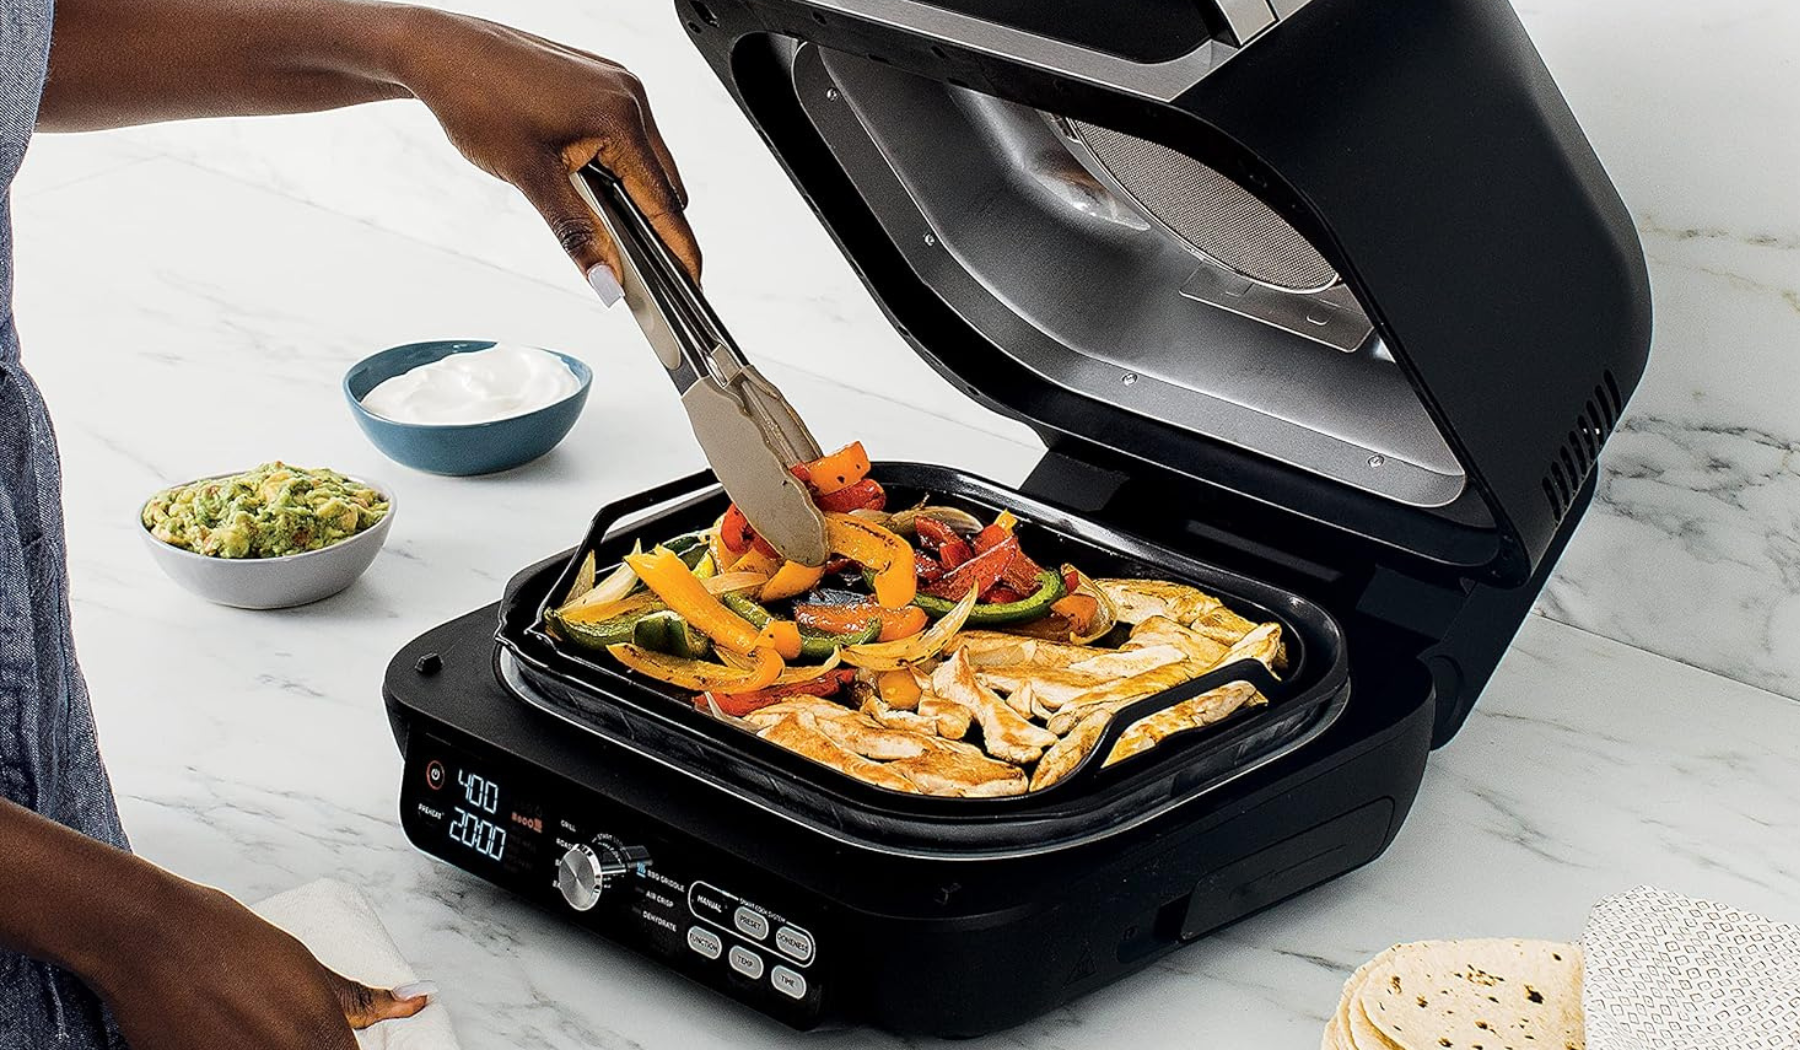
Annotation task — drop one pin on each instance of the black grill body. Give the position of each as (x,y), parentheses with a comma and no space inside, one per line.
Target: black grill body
(1422,152)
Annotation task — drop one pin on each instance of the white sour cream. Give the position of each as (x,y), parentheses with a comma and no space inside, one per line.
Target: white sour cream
(479,386)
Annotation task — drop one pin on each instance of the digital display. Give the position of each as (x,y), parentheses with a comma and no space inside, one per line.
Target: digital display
(470,827)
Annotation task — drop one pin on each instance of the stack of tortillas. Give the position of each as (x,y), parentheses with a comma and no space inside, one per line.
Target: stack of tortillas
(1463,995)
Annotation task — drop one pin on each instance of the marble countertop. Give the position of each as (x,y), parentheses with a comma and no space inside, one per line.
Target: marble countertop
(190,296)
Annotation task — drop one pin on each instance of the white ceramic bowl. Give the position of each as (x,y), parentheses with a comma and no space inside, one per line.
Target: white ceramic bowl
(273,583)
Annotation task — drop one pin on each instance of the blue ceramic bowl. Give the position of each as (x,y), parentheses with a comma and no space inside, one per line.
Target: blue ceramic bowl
(459,448)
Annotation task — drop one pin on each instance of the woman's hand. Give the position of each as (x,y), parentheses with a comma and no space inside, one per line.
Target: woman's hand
(210,974)
(182,966)
(532,112)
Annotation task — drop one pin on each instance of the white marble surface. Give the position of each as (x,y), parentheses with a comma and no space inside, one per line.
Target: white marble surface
(190,295)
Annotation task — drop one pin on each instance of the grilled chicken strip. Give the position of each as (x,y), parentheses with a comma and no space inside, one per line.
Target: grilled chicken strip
(935,716)
(895,718)
(1160,631)
(961,770)
(953,719)
(1262,644)
(999,649)
(1138,600)
(1113,696)
(863,735)
(1053,687)
(1004,732)
(1061,760)
(764,717)
(800,733)
(1212,706)
(1122,663)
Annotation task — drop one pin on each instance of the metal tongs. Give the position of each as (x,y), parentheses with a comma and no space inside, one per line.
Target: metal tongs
(749,432)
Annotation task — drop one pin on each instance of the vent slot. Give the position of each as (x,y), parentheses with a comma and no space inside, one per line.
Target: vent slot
(1580,452)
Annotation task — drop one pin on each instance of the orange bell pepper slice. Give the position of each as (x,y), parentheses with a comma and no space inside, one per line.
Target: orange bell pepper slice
(792,579)
(902,623)
(839,470)
(663,571)
(883,553)
(758,562)
(899,688)
(783,636)
(1078,609)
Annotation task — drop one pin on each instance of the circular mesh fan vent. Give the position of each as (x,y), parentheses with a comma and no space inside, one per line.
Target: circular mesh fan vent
(1214,216)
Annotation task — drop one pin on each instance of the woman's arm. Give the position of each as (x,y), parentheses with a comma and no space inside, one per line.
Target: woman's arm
(182,966)
(519,107)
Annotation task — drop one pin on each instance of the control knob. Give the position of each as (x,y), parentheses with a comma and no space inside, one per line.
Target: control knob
(584,871)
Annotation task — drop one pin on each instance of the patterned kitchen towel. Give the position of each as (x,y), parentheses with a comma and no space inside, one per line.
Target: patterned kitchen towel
(1667,972)
(339,926)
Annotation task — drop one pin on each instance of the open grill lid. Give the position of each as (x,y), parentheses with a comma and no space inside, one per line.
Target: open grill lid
(1349,262)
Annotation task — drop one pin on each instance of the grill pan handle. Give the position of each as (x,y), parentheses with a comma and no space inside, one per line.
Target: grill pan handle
(1093,764)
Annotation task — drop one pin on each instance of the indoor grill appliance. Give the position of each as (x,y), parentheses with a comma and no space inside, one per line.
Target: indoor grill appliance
(1325,306)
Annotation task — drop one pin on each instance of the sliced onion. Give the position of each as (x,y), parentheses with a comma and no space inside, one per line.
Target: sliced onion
(584,579)
(794,673)
(904,652)
(960,522)
(1105,618)
(734,582)
(879,517)
(599,612)
(616,587)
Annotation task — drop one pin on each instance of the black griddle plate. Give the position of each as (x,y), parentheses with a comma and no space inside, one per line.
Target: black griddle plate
(661,722)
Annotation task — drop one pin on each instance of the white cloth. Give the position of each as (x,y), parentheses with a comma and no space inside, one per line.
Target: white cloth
(339,925)
(1667,972)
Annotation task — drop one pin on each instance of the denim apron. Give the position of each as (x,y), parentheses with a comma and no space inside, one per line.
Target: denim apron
(48,758)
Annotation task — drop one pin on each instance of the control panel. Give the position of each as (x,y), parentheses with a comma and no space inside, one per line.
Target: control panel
(616,871)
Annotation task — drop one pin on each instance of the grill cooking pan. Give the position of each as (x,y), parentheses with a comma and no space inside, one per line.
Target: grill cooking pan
(594,693)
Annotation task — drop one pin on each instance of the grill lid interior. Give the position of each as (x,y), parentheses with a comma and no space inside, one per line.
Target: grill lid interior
(1130,274)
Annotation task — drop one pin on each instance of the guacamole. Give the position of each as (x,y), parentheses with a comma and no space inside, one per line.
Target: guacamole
(268,512)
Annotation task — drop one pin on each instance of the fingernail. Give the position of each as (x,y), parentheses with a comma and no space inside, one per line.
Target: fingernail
(416,990)
(605,285)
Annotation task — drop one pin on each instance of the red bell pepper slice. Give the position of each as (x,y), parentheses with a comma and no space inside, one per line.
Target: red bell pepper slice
(980,572)
(1001,594)
(740,704)
(848,619)
(866,494)
(933,534)
(1021,573)
(955,552)
(928,568)
(735,531)
(989,538)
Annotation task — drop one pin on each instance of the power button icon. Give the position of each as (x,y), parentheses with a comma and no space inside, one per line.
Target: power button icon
(434,774)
